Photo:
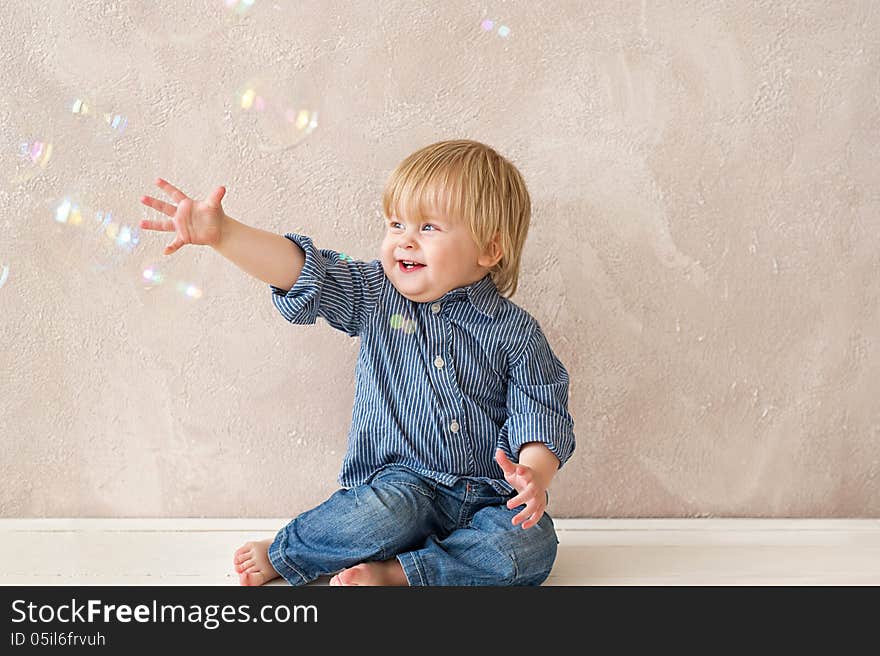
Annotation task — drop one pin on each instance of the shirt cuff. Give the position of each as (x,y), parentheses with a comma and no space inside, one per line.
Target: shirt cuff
(554,432)
(300,303)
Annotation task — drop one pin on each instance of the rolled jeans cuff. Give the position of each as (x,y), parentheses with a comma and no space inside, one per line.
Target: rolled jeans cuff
(412,568)
(283,565)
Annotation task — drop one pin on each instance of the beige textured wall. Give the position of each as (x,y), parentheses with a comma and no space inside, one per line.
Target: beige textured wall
(703,254)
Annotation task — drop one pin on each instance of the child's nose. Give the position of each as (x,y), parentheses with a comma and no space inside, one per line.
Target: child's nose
(407,239)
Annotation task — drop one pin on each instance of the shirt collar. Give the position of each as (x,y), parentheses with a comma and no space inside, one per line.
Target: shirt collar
(482,294)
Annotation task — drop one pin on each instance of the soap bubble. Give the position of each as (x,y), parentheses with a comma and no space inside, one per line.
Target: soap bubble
(194,21)
(276,110)
(154,277)
(27,144)
(96,209)
(105,121)
(400,322)
(4,274)
(115,123)
(188,289)
(34,155)
(487,25)
(105,240)
(238,6)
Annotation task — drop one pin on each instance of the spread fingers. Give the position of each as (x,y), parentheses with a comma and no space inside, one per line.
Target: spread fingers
(176,194)
(157,224)
(166,208)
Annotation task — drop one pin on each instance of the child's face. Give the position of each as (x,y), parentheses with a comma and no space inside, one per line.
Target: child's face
(444,246)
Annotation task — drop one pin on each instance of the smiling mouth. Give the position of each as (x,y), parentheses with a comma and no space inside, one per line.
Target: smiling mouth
(408,266)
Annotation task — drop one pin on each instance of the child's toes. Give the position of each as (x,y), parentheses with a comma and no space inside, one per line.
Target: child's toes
(252,576)
(241,567)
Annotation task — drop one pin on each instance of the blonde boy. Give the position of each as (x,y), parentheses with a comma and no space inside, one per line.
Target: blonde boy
(461,415)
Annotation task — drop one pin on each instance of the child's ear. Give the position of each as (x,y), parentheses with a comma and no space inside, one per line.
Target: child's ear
(492,254)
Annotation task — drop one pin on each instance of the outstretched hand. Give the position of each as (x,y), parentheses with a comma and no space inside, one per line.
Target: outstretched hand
(195,222)
(532,492)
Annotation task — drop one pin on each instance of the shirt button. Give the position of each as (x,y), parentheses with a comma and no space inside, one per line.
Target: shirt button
(454,426)
(435,308)
(438,362)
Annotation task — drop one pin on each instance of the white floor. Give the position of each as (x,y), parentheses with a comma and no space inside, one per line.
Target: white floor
(591,551)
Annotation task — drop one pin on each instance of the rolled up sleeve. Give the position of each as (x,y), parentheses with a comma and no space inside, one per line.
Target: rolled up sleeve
(340,290)
(537,401)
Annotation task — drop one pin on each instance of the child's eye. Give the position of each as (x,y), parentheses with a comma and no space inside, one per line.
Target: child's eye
(394,225)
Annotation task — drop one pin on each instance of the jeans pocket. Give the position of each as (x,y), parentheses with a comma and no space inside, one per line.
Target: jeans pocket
(398,475)
(383,472)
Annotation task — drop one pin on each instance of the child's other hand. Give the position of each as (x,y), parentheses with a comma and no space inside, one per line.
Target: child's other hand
(195,222)
(532,492)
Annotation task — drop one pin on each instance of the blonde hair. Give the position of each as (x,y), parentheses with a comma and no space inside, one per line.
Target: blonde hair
(467,181)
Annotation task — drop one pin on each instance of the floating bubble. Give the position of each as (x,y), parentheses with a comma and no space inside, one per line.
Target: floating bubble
(38,152)
(193,21)
(96,210)
(276,110)
(125,237)
(106,240)
(488,25)
(399,322)
(238,6)
(116,123)
(27,144)
(67,211)
(153,277)
(4,274)
(34,157)
(189,290)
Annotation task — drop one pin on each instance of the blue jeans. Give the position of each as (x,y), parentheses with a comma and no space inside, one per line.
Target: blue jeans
(459,535)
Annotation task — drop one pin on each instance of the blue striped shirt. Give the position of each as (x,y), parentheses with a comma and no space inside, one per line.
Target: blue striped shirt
(438,385)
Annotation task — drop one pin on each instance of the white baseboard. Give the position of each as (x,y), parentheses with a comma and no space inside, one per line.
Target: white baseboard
(85,551)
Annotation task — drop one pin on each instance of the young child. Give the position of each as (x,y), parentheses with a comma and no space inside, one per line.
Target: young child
(460,417)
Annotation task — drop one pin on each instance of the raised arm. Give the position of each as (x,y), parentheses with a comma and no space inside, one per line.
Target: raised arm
(265,255)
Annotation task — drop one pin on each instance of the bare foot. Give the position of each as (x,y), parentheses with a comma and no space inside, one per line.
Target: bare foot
(385,572)
(252,563)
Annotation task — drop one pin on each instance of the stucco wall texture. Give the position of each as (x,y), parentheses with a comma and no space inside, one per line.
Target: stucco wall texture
(703,255)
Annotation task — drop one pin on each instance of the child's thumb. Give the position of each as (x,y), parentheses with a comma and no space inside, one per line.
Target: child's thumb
(218,195)
(173,246)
